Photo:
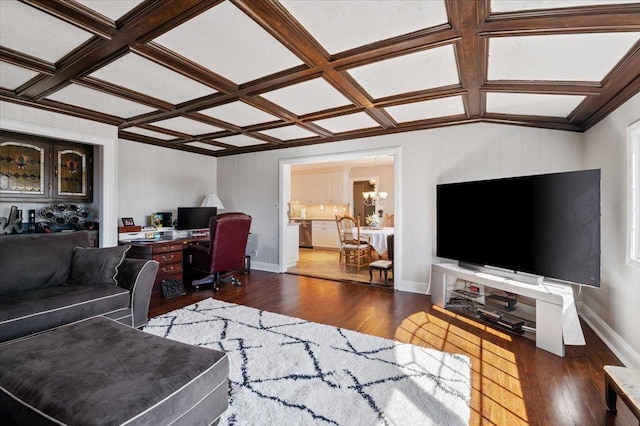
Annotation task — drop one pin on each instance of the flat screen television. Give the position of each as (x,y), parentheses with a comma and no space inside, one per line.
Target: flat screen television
(195,217)
(546,225)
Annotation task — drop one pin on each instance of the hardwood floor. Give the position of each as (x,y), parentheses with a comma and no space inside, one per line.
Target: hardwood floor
(321,263)
(514,383)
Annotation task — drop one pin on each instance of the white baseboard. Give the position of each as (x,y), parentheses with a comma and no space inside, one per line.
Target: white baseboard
(267,267)
(626,354)
(412,287)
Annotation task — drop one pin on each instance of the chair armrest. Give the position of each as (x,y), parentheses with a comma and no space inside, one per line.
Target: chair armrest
(138,276)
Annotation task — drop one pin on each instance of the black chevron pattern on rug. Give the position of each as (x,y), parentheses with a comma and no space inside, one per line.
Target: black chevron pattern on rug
(292,371)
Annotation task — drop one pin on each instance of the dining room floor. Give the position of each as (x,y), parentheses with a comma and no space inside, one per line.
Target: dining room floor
(322,263)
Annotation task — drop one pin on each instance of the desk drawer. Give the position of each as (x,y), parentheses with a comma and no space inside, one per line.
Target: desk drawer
(166,248)
(169,269)
(169,257)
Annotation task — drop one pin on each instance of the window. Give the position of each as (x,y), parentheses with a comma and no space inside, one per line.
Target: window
(633,209)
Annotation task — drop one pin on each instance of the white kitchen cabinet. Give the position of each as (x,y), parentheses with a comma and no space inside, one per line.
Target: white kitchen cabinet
(317,188)
(324,234)
(310,188)
(333,188)
(295,188)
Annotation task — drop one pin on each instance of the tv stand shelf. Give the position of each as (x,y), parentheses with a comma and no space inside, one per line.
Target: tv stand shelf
(556,318)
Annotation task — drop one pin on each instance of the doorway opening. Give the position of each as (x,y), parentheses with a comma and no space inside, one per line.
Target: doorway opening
(360,210)
(360,168)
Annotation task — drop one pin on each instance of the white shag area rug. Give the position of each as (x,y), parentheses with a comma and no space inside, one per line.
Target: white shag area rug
(286,370)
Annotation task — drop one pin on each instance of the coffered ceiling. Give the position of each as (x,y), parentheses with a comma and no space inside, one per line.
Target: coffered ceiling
(234,76)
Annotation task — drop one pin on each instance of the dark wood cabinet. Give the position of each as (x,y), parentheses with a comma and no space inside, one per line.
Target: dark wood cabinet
(72,172)
(169,256)
(41,169)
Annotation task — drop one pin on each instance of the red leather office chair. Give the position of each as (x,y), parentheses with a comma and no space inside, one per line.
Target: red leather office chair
(228,235)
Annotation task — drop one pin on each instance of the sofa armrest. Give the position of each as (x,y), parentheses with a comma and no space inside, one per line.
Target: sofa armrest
(138,276)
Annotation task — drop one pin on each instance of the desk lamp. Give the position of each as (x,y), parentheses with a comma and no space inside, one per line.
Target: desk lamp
(212,200)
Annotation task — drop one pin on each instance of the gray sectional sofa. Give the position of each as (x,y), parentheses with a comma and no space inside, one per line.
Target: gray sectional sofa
(48,280)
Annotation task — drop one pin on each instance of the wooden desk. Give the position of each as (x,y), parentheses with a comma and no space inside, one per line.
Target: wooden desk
(168,253)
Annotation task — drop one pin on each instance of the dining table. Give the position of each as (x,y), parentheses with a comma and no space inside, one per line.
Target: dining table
(377,237)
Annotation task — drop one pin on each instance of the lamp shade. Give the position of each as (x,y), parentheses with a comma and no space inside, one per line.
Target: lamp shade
(212,200)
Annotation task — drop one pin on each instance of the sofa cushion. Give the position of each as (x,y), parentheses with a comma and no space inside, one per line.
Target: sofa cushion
(33,311)
(91,266)
(38,260)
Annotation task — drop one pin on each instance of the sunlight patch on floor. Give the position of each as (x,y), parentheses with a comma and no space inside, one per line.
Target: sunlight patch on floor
(496,391)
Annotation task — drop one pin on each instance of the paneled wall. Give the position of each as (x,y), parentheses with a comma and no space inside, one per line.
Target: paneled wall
(154,179)
(475,151)
(613,310)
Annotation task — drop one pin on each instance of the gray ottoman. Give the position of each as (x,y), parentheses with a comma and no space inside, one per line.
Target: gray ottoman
(101,372)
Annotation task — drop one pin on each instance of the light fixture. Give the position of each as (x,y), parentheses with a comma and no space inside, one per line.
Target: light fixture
(374,197)
(212,200)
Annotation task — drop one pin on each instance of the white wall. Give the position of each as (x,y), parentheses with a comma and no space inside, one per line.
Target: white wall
(613,311)
(474,151)
(35,121)
(154,179)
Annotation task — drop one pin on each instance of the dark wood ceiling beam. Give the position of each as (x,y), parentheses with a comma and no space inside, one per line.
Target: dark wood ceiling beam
(531,121)
(584,19)
(470,52)
(547,87)
(162,56)
(280,24)
(80,17)
(620,86)
(26,61)
(175,134)
(141,25)
(150,141)
(59,107)
(112,89)
(277,21)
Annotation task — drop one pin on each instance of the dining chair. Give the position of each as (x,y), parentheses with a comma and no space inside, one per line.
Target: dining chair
(225,254)
(355,249)
(389,220)
(383,265)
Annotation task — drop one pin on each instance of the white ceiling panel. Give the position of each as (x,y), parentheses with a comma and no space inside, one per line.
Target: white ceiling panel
(144,76)
(150,133)
(12,77)
(240,140)
(205,146)
(288,133)
(498,6)
(409,73)
(187,125)
(343,25)
(567,57)
(229,43)
(239,114)
(84,97)
(532,104)
(424,110)
(36,33)
(307,97)
(111,9)
(344,123)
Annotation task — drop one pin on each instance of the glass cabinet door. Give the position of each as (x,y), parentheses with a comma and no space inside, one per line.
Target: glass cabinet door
(72,172)
(22,169)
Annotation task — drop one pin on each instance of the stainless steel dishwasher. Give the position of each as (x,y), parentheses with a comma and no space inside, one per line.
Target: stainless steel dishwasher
(305,233)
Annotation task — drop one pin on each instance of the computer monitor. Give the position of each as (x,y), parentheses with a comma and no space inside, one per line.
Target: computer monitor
(195,217)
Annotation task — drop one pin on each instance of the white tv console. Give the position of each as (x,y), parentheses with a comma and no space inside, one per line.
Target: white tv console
(556,318)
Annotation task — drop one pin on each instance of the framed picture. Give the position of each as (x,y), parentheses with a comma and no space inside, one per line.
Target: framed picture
(128,221)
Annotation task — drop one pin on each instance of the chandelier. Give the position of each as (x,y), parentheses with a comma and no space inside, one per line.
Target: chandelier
(372,198)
